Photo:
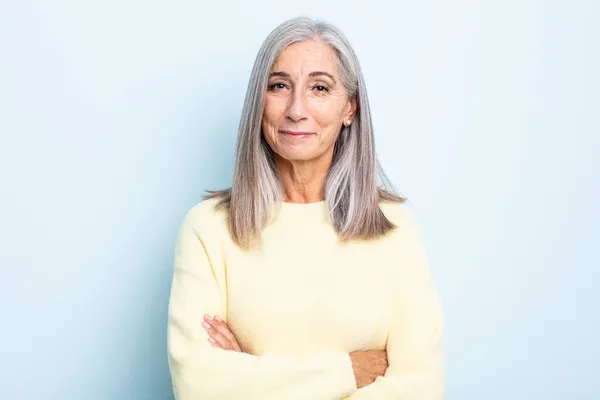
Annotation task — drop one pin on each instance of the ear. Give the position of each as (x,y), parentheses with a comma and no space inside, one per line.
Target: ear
(352,105)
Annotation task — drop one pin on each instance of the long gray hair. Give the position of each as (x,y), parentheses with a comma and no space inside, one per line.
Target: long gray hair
(352,189)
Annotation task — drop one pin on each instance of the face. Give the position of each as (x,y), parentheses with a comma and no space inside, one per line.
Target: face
(306,103)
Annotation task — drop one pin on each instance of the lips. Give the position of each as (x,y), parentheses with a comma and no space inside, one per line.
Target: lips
(296,133)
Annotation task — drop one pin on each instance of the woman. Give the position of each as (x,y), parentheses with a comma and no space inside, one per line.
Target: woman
(304,280)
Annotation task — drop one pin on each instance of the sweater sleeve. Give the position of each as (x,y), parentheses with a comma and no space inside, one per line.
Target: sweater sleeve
(200,371)
(414,347)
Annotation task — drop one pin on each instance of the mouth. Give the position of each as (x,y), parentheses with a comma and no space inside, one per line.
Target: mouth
(296,134)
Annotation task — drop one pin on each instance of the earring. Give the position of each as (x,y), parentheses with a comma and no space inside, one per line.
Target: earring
(348,122)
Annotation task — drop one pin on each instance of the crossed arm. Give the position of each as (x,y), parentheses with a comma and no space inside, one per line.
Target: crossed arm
(201,370)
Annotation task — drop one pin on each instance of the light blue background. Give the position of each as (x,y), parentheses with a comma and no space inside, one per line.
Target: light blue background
(116,115)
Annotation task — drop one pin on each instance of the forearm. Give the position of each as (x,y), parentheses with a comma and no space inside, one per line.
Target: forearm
(212,373)
(423,382)
(415,340)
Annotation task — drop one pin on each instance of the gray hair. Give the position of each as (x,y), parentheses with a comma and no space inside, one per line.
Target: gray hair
(352,189)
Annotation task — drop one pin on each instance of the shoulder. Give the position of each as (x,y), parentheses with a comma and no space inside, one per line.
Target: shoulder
(205,217)
(407,246)
(407,235)
(400,214)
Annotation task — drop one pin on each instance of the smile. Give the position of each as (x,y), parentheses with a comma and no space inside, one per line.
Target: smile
(296,134)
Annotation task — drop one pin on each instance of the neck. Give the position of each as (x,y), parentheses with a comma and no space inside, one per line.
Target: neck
(303,181)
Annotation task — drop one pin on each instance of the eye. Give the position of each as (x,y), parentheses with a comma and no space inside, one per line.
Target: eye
(277,86)
(321,88)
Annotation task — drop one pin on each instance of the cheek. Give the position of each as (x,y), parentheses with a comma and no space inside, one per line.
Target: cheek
(274,109)
(326,113)
(270,121)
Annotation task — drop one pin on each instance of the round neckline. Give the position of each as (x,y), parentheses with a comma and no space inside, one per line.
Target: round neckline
(303,211)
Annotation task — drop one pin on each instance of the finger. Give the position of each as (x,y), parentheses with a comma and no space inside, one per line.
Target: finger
(222,342)
(212,335)
(225,331)
(214,338)
(214,343)
(225,335)
(219,332)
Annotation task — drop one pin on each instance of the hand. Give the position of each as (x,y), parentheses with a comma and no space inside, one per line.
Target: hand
(368,365)
(219,334)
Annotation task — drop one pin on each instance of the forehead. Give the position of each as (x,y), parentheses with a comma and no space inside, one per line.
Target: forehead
(305,57)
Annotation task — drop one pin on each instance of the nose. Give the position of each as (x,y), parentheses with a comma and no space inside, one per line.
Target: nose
(297,110)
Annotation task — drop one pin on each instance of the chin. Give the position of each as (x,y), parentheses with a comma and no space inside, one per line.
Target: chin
(297,155)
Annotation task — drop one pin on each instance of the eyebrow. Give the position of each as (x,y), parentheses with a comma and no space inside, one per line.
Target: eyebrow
(312,74)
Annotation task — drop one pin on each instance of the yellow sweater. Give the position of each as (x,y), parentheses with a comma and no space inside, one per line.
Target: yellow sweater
(299,305)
